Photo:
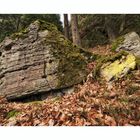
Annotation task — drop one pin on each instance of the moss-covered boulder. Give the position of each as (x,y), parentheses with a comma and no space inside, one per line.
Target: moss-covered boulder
(118,68)
(129,42)
(39,59)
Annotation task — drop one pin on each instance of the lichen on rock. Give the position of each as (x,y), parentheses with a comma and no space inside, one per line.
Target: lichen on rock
(105,59)
(118,68)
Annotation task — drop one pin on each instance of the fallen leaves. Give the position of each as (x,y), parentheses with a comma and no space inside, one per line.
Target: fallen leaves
(110,121)
(87,107)
(93,104)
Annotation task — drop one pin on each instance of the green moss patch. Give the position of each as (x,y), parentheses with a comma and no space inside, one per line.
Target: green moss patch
(72,59)
(46,25)
(42,26)
(117,42)
(22,34)
(132,89)
(12,113)
(71,64)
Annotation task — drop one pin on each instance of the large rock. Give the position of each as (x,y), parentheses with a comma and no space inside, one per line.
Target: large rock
(129,42)
(39,59)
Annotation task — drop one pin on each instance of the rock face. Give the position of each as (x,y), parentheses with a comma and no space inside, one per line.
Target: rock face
(118,68)
(129,42)
(39,59)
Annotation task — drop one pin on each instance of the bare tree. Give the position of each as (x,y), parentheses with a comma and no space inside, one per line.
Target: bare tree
(75,31)
(109,28)
(122,23)
(66,26)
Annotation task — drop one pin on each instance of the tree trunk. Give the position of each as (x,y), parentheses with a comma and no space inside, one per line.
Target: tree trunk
(66,26)
(109,29)
(122,23)
(75,31)
(18,23)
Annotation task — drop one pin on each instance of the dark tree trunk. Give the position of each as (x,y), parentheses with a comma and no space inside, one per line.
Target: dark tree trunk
(122,23)
(75,32)
(18,23)
(66,26)
(109,29)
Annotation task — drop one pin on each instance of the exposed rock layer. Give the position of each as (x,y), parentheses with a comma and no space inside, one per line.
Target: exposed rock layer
(38,60)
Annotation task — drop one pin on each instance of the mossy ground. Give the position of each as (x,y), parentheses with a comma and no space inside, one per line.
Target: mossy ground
(12,113)
(132,89)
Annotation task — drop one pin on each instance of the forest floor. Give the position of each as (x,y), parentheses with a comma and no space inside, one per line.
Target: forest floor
(94,103)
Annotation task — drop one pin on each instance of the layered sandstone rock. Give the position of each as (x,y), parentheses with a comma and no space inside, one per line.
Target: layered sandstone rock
(37,60)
